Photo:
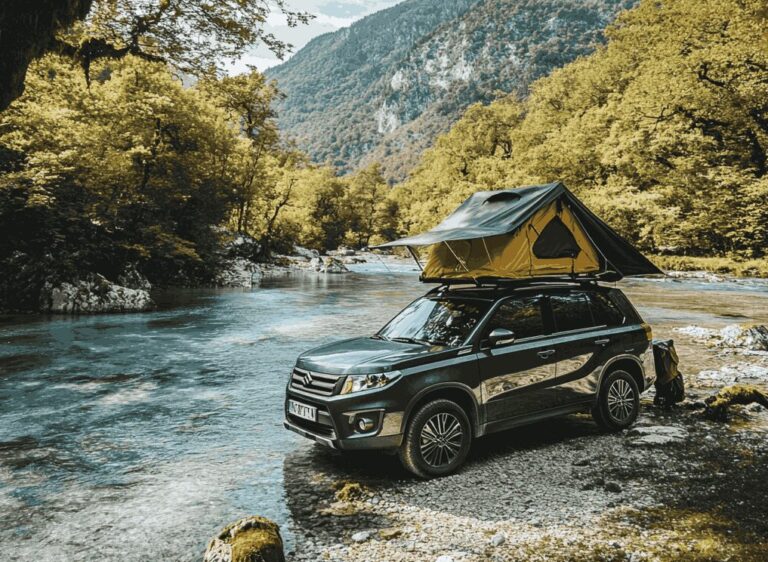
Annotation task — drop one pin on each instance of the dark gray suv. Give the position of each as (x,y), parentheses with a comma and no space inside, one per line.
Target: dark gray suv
(459,363)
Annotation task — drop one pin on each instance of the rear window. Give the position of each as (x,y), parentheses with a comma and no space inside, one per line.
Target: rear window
(570,312)
(604,310)
(521,315)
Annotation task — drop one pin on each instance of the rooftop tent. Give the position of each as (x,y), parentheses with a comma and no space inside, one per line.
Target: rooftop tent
(535,231)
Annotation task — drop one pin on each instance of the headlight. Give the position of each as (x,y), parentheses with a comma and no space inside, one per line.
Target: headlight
(356,383)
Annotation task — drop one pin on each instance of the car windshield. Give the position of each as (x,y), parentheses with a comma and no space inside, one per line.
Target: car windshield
(435,321)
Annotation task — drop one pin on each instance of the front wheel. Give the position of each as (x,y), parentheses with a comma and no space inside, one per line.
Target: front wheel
(437,439)
(618,403)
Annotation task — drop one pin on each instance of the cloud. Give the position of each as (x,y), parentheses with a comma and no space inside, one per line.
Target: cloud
(330,15)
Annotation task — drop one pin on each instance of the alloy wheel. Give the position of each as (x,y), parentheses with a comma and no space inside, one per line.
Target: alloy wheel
(621,400)
(441,440)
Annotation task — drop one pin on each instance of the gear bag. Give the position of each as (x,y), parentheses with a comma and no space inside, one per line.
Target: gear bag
(670,386)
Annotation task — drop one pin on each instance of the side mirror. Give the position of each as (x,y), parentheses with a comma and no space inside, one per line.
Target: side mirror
(500,336)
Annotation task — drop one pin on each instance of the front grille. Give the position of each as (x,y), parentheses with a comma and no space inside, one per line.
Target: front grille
(313,427)
(314,383)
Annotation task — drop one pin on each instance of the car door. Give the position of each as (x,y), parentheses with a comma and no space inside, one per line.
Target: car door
(582,347)
(517,377)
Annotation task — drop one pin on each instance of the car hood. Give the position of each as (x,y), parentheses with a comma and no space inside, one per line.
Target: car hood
(366,355)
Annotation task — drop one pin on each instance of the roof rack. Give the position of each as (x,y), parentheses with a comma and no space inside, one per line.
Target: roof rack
(507,282)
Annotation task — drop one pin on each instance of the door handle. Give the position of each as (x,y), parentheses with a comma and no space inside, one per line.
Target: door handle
(545,354)
(604,341)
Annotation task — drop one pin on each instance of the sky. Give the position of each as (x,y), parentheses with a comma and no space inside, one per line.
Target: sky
(330,15)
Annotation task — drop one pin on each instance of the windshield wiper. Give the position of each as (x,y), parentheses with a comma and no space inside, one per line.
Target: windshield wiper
(379,337)
(411,340)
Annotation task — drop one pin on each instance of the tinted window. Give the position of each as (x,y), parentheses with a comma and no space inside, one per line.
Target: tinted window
(521,315)
(605,312)
(437,321)
(571,312)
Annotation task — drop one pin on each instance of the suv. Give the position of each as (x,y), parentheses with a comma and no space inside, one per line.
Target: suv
(459,363)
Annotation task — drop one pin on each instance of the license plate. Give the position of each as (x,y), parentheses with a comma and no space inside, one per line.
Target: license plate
(302,411)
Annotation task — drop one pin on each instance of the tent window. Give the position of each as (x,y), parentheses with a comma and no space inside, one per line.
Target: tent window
(556,241)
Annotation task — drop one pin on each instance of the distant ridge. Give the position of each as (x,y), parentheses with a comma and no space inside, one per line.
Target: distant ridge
(384,88)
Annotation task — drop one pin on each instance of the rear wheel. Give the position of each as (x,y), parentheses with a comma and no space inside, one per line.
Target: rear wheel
(437,439)
(618,403)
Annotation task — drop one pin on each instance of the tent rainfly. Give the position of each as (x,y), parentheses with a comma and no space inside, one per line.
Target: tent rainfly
(540,231)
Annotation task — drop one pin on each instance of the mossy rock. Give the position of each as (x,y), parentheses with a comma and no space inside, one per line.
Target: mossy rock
(252,539)
(349,491)
(741,394)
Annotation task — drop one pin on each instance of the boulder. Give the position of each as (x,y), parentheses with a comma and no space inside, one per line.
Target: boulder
(238,273)
(734,336)
(327,265)
(717,405)
(132,278)
(93,294)
(251,539)
(305,252)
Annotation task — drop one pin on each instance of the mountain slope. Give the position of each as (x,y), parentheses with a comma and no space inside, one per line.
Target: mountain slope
(382,89)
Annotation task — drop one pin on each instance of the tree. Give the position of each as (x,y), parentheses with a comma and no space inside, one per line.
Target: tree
(663,131)
(366,205)
(193,36)
(136,170)
(247,99)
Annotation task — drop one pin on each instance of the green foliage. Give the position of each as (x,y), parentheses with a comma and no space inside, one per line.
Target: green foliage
(134,169)
(663,132)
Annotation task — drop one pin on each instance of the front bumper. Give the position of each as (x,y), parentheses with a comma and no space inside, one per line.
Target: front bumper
(361,443)
(335,424)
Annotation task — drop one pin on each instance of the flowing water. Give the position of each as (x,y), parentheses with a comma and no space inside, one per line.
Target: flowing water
(136,437)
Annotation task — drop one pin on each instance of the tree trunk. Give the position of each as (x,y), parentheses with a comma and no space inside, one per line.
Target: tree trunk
(27,31)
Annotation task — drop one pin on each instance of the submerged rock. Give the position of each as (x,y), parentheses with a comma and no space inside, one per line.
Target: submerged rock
(252,539)
(94,294)
(327,265)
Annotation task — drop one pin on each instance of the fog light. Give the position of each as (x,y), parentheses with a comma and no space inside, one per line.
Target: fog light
(364,424)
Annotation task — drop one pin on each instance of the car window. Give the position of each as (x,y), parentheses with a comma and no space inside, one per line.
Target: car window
(605,312)
(521,315)
(436,321)
(571,312)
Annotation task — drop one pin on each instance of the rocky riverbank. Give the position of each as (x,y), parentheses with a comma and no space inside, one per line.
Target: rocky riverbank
(131,292)
(676,487)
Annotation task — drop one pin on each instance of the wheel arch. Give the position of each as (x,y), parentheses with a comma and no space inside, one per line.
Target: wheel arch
(459,393)
(628,363)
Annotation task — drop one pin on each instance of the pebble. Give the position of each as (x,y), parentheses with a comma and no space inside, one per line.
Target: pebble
(498,539)
(361,536)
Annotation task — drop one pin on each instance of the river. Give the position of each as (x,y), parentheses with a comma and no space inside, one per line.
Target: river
(136,437)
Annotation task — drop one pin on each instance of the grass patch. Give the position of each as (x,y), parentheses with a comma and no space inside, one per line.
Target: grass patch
(721,265)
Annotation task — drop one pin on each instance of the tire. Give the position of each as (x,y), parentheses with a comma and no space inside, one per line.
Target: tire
(437,439)
(618,403)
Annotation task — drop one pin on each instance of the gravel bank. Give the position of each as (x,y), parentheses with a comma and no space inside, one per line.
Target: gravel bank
(675,487)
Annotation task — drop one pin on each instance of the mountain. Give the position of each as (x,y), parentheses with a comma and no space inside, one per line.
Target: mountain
(384,88)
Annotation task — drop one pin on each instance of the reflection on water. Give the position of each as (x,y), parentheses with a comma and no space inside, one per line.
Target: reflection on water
(135,437)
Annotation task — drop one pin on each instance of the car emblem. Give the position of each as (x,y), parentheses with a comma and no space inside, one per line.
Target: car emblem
(307,379)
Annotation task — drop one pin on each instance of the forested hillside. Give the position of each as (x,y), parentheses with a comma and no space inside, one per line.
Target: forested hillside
(663,132)
(136,172)
(381,90)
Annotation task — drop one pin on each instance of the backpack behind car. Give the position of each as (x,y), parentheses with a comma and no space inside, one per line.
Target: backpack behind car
(670,386)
